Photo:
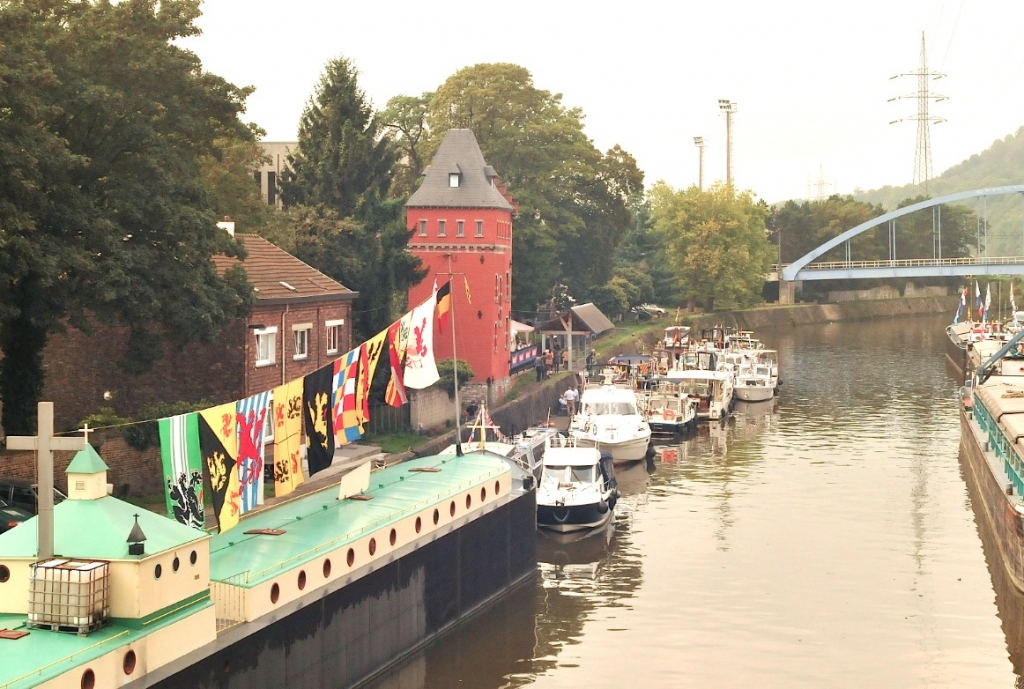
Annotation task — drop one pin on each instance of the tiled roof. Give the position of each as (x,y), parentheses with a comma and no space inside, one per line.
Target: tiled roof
(459,152)
(274,273)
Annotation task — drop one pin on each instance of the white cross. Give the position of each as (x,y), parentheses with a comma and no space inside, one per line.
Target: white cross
(44,443)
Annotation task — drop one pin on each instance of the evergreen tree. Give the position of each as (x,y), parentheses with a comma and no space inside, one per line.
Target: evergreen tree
(336,192)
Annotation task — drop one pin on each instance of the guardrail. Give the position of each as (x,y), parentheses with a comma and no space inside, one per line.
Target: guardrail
(915,262)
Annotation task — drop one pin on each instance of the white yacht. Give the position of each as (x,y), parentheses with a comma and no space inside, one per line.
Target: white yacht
(609,419)
(712,388)
(669,409)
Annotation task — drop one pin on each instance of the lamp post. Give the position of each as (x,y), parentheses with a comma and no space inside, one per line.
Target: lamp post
(699,142)
(728,107)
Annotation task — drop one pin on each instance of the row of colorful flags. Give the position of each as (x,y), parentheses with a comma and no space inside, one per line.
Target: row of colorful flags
(329,407)
(981,308)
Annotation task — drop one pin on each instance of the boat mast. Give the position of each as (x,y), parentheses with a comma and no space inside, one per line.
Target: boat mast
(455,363)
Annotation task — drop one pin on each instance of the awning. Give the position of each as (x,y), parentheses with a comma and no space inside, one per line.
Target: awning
(518,327)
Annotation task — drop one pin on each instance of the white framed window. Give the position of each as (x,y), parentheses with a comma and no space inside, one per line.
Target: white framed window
(300,336)
(266,346)
(453,179)
(268,421)
(334,335)
(440,228)
(479,228)
(423,228)
(460,228)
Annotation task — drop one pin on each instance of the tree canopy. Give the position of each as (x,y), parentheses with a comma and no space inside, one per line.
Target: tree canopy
(716,239)
(104,122)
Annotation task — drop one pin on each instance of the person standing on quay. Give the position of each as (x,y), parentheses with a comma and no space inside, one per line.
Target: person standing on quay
(549,361)
(571,396)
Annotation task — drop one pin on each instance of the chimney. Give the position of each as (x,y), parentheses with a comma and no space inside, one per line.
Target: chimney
(227,224)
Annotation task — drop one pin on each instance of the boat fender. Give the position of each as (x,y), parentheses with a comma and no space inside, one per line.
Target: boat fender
(613,499)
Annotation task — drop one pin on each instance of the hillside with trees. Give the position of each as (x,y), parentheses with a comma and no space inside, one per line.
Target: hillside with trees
(1000,164)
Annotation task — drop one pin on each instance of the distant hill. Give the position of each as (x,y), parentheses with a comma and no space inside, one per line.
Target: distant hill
(1001,164)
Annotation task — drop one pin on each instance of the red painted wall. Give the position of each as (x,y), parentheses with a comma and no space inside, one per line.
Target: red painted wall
(481,327)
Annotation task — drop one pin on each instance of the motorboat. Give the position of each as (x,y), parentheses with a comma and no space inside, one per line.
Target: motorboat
(669,409)
(755,382)
(577,489)
(609,418)
(712,388)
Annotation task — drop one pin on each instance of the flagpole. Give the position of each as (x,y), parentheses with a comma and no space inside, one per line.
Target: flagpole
(455,367)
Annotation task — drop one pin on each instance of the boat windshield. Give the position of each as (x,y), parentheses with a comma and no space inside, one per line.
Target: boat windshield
(570,474)
(699,388)
(622,408)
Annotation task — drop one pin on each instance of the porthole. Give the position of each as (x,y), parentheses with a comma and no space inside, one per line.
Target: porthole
(327,568)
(129,662)
(469,501)
(176,564)
(351,557)
(451,508)
(437,517)
(88,679)
(302,579)
(193,557)
(393,537)
(5,574)
(483,494)
(497,487)
(275,593)
(158,571)
(419,524)
(373,546)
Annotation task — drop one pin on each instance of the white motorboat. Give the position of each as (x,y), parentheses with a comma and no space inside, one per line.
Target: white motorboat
(712,388)
(577,490)
(609,419)
(669,409)
(754,383)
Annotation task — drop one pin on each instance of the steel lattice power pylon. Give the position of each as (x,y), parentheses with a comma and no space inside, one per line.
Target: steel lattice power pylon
(923,151)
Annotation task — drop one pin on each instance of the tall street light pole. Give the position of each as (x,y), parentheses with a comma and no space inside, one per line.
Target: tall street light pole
(699,141)
(728,107)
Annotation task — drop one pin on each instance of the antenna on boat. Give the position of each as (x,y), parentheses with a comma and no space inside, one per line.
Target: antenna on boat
(455,365)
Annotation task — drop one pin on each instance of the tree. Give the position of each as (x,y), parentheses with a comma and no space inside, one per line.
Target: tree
(717,241)
(345,222)
(405,117)
(107,218)
(571,199)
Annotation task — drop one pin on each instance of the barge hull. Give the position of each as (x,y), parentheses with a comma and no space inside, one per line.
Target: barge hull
(348,636)
(987,486)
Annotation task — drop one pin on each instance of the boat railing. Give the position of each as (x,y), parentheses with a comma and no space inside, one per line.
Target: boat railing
(1013,463)
(229,600)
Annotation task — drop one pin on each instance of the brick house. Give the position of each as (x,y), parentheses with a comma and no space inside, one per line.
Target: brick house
(462,223)
(300,322)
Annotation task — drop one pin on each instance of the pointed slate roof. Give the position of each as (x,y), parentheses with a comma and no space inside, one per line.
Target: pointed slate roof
(459,152)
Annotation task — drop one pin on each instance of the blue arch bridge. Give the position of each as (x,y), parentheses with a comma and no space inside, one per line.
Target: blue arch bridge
(806,268)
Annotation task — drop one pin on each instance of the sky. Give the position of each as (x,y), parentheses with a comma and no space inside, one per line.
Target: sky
(811,81)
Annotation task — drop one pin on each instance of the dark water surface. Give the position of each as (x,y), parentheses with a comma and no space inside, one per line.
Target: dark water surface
(823,539)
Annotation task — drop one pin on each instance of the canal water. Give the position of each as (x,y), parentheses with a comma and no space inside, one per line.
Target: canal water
(823,539)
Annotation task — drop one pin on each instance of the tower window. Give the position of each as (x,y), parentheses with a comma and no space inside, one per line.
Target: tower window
(479,228)
(460,228)
(423,228)
(440,228)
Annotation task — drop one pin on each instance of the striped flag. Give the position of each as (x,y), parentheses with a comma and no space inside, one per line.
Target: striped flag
(251,417)
(444,304)
(183,468)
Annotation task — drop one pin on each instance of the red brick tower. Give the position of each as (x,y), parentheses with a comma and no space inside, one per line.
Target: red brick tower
(462,218)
